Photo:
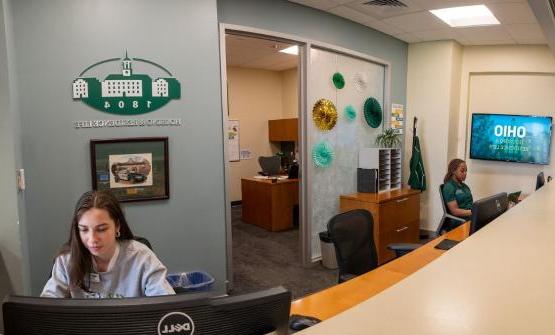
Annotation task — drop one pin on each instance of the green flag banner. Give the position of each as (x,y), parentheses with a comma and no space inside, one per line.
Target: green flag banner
(417,178)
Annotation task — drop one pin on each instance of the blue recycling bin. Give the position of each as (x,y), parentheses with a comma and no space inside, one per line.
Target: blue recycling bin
(193,281)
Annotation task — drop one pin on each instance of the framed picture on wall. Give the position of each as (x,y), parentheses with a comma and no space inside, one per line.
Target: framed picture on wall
(134,169)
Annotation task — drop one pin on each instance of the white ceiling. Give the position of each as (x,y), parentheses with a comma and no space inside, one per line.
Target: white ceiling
(257,53)
(415,23)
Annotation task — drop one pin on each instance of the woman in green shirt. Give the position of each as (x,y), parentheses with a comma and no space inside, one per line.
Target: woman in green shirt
(456,193)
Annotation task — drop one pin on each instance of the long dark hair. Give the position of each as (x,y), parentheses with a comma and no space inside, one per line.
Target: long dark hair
(451,168)
(80,257)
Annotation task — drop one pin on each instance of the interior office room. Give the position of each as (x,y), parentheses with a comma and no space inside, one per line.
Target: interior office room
(394,51)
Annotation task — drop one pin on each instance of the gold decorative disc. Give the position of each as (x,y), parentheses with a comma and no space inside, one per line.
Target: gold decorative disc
(324,114)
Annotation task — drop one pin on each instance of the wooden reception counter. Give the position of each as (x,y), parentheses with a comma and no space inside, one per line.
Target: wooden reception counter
(497,281)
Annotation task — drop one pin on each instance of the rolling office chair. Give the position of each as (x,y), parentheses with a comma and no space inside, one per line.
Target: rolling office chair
(447,219)
(352,236)
(270,165)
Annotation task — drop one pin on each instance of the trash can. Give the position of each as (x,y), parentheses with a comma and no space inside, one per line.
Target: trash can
(188,282)
(328,251)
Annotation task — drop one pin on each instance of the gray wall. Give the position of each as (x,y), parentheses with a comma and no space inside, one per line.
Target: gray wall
(294,19)
(50,42)
(10,240)
(53,42)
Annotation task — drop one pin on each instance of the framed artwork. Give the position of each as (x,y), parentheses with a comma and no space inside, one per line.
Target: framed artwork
(134,169)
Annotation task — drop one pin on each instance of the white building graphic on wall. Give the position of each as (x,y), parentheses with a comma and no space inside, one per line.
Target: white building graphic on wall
(125,84)
(160,88)
(80,89)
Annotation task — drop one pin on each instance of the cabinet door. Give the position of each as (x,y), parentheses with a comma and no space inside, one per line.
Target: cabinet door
(283,130)
(399,223)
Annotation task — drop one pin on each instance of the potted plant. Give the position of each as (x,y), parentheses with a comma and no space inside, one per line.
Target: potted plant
(389,139)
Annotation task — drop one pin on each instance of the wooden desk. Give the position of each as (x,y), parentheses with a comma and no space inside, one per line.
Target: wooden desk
(341,297)
(396,217)
(269,205)
(498,281)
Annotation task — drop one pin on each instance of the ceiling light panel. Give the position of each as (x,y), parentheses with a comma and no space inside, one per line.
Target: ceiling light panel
(467,16)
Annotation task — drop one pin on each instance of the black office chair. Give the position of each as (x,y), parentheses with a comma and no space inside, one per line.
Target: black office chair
(448,221)
(352,236)
(270,165)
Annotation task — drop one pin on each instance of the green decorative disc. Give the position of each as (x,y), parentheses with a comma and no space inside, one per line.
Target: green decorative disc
(338,80)
(350,113)
(373,112)
(322,154)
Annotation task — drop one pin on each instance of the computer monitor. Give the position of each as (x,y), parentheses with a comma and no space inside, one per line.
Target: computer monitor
(540,180)
(270,165)
(486,210)
(185,314)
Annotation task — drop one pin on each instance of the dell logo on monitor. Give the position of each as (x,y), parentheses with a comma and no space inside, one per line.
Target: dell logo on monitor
(176,323)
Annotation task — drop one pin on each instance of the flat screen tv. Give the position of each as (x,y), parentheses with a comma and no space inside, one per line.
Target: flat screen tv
(511,138)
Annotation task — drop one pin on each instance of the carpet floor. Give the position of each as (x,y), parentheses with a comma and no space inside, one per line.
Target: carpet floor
(264,259)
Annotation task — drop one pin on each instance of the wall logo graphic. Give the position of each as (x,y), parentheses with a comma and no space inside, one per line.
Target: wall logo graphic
(127,93)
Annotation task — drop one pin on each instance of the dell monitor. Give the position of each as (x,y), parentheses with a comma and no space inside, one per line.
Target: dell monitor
(540,180)
(185,314)
(486,210)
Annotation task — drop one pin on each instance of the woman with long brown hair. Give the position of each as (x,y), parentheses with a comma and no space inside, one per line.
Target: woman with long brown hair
(456,193)
(101,259)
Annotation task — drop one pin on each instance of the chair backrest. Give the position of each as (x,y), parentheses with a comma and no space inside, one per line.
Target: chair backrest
(443,204)
(270,165)
(353,239)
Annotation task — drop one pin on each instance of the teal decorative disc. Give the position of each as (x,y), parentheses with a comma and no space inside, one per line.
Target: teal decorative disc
(322,154)
(373,112)
(350,113)
(338,80)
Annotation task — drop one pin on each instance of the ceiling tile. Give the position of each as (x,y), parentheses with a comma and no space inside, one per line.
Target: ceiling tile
(438,4)
(509,13)
(318,4)
(351,14)
(437,35)
(416,22)
(525,31)
(408,37)
(489,33)
(530,41)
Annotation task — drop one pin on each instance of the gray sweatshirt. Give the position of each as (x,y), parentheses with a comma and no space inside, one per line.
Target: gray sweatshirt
(136,272)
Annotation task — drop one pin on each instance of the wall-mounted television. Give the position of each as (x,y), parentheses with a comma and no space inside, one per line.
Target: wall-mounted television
(511,138)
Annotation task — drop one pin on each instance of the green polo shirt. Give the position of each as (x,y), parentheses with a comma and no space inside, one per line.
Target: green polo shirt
(459,192)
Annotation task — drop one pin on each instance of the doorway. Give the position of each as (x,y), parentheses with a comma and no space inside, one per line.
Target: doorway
(262,97)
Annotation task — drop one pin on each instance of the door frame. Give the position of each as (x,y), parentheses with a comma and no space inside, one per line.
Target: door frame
(305,209)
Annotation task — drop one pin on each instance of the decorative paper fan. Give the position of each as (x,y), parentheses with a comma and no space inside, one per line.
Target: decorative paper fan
(360,81)
(372,112)
(322,154)
(350,113)
(338,80)
(324,114)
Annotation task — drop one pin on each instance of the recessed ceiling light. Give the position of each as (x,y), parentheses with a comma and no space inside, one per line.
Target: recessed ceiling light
(292,50)
(466,16)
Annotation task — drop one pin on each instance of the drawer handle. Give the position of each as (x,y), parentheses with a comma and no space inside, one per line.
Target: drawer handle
(402,229)
(401,200)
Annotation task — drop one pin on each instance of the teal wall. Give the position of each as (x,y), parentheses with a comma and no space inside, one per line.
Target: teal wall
(294,19)
(53,42)
(48,43)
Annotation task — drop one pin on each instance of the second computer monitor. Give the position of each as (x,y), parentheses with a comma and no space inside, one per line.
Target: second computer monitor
(486,210)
